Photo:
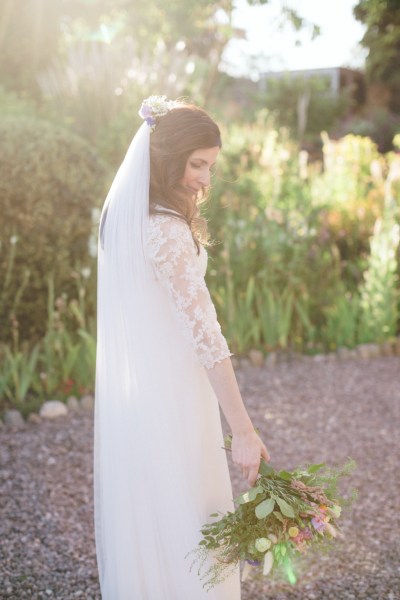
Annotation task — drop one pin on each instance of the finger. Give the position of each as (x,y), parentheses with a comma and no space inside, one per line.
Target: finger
(265,454)
(252,476)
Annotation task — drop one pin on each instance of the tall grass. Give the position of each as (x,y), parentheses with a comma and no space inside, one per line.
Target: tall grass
(59,364)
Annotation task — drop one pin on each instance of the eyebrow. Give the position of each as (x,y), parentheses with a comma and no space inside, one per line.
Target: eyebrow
(203,161)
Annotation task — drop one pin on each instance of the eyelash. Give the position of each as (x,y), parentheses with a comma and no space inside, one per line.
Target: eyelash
(194,166)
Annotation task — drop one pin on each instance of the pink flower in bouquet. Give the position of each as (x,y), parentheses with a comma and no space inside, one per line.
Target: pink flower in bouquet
(318,524)
(303,536)
(306,534)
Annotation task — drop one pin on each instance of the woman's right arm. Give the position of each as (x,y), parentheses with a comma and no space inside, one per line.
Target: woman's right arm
(177,266)
(247,447)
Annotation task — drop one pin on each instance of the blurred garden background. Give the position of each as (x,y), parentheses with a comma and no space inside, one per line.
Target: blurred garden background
(304,208)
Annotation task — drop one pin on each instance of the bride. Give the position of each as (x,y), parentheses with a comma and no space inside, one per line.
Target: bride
(162,368)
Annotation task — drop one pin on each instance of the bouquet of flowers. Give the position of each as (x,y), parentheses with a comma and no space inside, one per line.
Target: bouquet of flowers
(282,516)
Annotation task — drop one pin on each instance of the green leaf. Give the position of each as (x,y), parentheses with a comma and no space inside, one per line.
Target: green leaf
(315,468)
(285,475)
(278,515)
(286,509)
(265,508)
(250,495)
(265,469)
(254,491)
(228,441)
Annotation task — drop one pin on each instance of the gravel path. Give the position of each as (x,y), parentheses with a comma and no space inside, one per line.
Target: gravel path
(307,411)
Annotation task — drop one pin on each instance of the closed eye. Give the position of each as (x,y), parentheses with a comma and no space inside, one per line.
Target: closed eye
(212,169)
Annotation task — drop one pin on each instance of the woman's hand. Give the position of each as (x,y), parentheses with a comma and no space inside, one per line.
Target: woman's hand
(247,450)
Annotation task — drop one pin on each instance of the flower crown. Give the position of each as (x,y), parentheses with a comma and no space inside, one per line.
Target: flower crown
(154,107)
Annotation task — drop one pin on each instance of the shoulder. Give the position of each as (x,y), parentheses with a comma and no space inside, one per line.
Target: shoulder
(169,233)
(169,225)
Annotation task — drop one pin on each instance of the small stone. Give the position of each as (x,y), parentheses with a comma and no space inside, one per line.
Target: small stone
(319,357)
(375,351)
(72,403)
(271,359)
(87,402)
(49,592)
(13,418)
(53,409)
(256,358)
(368,351)
(387,349)
(343,353)
(34,418)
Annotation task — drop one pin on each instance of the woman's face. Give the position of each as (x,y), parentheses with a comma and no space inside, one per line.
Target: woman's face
(198,169)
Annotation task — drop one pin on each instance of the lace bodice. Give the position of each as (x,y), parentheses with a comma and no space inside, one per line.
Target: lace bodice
(181,271)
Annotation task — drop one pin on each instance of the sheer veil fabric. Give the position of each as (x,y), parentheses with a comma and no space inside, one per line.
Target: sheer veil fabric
(159,470)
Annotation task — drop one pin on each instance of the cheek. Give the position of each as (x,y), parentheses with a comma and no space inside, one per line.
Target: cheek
(188,175)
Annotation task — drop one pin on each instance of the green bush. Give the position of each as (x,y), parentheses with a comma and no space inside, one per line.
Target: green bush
(50,182)
(269,229)
(294,240)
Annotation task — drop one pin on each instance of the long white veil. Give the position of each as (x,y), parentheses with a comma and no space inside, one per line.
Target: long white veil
(124,302)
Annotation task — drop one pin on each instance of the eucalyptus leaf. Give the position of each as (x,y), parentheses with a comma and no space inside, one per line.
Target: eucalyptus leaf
(254,491)
(265,508)
(315,468)
(285,475)
(286,509)
(250,495)
(278,515)
(265,469)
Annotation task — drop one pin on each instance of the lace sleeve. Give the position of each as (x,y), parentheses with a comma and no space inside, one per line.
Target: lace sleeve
(178,268)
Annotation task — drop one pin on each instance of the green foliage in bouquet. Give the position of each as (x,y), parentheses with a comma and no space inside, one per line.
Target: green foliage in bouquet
(281,517)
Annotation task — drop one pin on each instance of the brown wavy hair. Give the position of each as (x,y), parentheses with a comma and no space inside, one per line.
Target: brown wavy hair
(177,134)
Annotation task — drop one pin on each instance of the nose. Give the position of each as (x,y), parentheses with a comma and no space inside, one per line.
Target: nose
(204,177)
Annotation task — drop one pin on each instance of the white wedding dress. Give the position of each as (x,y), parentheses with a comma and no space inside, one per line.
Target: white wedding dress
(158,481)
